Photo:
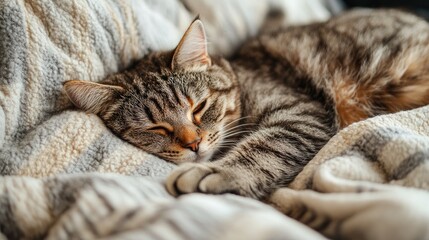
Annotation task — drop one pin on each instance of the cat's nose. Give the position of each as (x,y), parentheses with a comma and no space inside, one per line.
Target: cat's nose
(188,137)
(194,145)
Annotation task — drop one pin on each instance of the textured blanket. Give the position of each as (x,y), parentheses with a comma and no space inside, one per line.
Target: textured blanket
(370,181)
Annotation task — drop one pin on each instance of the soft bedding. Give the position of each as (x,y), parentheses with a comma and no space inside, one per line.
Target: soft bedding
(369,182)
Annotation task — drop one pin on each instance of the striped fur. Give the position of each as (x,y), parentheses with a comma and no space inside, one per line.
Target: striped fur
(268,111)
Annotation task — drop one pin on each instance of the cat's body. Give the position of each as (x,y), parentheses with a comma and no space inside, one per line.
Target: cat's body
(274,106)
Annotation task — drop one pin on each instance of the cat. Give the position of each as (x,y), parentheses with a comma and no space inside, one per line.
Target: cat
(248,125)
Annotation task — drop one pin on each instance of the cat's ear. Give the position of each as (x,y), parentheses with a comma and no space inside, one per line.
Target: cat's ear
(89,96)
(191,52)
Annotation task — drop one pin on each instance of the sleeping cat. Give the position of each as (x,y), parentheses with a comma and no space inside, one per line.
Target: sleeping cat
(263,115)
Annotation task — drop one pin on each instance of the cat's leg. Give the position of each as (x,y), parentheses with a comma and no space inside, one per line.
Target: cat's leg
(288,135)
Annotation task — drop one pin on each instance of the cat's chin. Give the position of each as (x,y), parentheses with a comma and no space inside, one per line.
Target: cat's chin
(204,157)
(195,157)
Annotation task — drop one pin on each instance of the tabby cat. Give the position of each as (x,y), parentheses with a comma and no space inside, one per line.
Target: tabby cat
(262,116)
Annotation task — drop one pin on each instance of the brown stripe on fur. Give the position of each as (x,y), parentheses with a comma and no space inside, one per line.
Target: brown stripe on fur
(412,90)
(351,102)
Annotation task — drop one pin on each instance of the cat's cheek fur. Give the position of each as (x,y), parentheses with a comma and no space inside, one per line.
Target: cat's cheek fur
(205,153)
(146,141)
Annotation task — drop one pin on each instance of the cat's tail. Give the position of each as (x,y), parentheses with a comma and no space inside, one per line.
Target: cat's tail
(396,86)
(410,89)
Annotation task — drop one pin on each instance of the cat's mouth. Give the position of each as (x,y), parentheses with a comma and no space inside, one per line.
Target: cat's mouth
(204,156)
(205,152)
(189,156)
(209,146)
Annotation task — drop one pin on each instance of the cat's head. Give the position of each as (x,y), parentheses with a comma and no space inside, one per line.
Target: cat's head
(177,105)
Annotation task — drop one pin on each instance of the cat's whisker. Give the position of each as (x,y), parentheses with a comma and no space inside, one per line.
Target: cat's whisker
(226,146)
(236,120)
(236,133)
(241,125)
(222,152)
(228,142)
(235,130)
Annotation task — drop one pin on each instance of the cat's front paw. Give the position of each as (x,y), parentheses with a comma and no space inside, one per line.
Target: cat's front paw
(204,178)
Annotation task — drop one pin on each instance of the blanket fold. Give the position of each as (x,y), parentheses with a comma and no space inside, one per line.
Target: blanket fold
(107,206)
(369,182)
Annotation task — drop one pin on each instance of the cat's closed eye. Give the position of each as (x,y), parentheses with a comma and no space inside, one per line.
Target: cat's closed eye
(198,110)
(163,130)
